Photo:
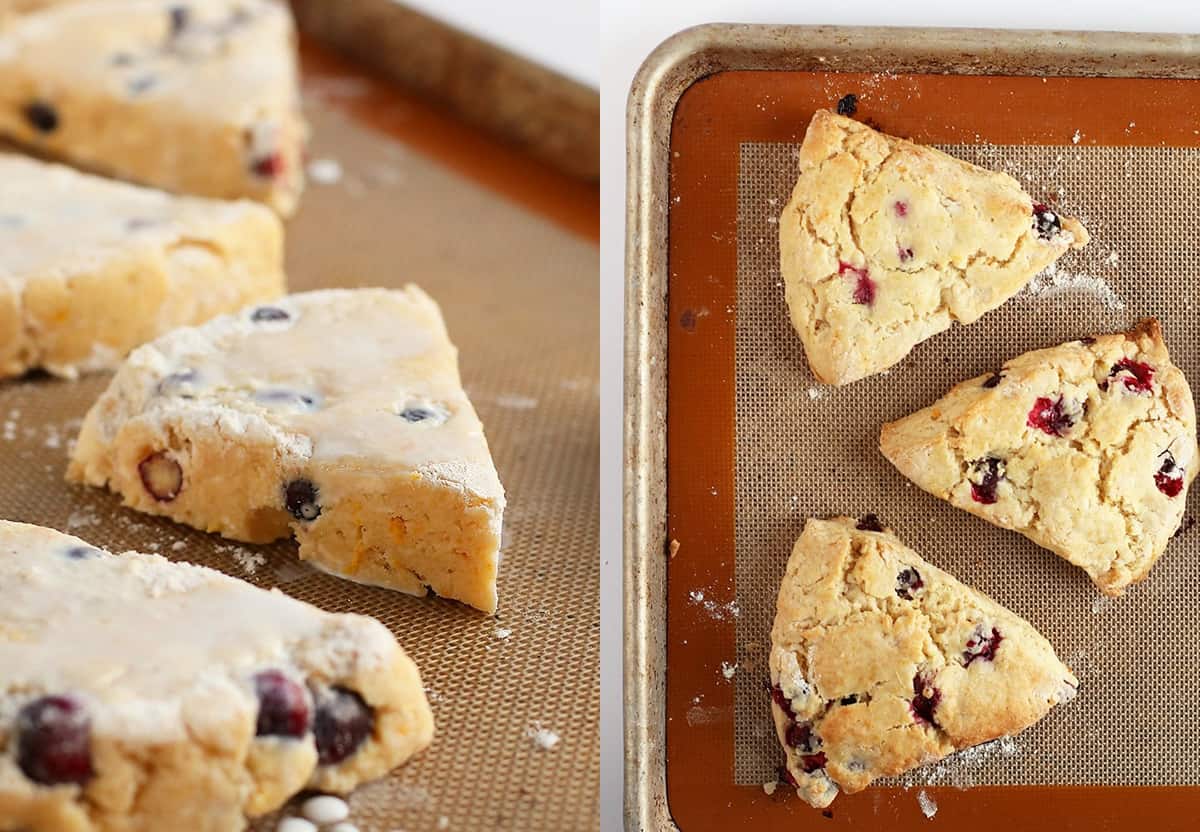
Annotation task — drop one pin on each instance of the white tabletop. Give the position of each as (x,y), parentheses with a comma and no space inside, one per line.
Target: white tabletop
(629,31)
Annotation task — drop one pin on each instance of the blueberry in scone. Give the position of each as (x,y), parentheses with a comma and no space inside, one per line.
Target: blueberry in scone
(91,268)
(885,243)
(136,693)
(1086,448)
(881,662)
(335,416)
(193,97)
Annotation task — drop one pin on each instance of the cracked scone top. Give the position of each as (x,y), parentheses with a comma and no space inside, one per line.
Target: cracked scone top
(1087,449)
(194,96)
(136,693)
(91,268)
(885,242)
(881,662)
(336,415)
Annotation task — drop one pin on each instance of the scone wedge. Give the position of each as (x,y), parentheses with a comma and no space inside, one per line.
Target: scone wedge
(136,693)
(881,662)
(337,416)
(192,96)
(1087,449)
(885,243)
(91,268)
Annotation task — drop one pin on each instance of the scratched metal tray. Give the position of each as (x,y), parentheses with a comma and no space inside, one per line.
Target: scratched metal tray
(732,443)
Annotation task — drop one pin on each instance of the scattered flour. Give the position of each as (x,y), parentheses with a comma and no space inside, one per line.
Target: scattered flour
(718,612)
(815,393)
(1075,139)
(515,402)
(727,669)
(958,769)
(770,787)
(543,738)
(1054,282)
(178,546)
(1101,603)
(1112,259)
(325,171)
(503,632)
(83,518)
(928,804)
(247,560)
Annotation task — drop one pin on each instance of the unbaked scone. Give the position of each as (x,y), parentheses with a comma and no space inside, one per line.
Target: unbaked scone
(91,268)
(337,416)
(1087,449)
(885,242)
(881,662)
(194,96)
(140,694)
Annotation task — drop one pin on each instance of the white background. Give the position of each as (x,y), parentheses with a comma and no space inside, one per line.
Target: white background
(630,29)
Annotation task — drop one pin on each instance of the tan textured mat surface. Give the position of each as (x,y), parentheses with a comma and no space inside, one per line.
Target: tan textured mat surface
(519,294)
(804,449)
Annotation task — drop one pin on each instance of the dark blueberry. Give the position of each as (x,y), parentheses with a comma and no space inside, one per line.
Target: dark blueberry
(180,16)
(416,414)
(177,383)
(864,286)
(783,702)
(827,813)
(121,59)
(139,223)
(269,166)
(161,476)
(1050,417)
(82,552)
(1137,376)
(982,646)
(1087,340)
(42,116)
(141,84)
(992,380)
(852,699)
(54,741)
(282,706)
(785,776)
(1169,477)
(987,476)
(1045,221)
(342,724)
(269,313)
(869,523)
(908,582)
(925,699)
(812,762)
(286,398)
(847,105)
(300,497)
(905,254)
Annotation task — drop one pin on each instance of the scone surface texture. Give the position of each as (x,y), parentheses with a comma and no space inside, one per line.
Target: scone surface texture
(881,662)
(141,694)
(1087,448)
(884,243)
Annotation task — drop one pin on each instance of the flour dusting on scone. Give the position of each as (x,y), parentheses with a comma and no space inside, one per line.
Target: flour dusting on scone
(91,268)
(136,693)
(193,96)
(1087,449)
(881,662)
(885,243)
(337,416)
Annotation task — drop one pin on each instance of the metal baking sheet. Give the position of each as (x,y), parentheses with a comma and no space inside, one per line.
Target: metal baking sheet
(733,443)
(402,210)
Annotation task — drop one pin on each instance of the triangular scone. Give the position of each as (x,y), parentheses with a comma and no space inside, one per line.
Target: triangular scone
(337,416)
(884,243)
(1087,448)
(881,662)
(91,268)
(136,693)
(194,96)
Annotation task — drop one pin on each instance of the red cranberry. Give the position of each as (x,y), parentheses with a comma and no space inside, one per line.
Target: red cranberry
(282,706)
(864,287)
(812,762)
(847,105)
(783,702)
(925,699)
(785,776)
(270,166)
(986,477)
(1169,477)
(42,116)
(300,497)
(1137,376)
(800,737)
(161,476)
(342,724)
(905,254)
(908,582)
(869,523)
(1045,221)
(901,208)
(1050,417)
(982,646)
(54,741)
(993,380)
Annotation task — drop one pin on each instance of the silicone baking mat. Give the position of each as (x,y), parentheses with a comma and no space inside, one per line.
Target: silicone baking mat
(515,273)
(756,446)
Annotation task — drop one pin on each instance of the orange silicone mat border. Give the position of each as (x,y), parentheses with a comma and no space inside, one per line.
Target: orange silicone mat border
(712,118)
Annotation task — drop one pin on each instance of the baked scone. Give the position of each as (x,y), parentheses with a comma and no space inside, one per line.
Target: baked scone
(140,694)
(91,268)
(881,662)
(885,242)
(1087,449)
(193,96)
(337,416)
